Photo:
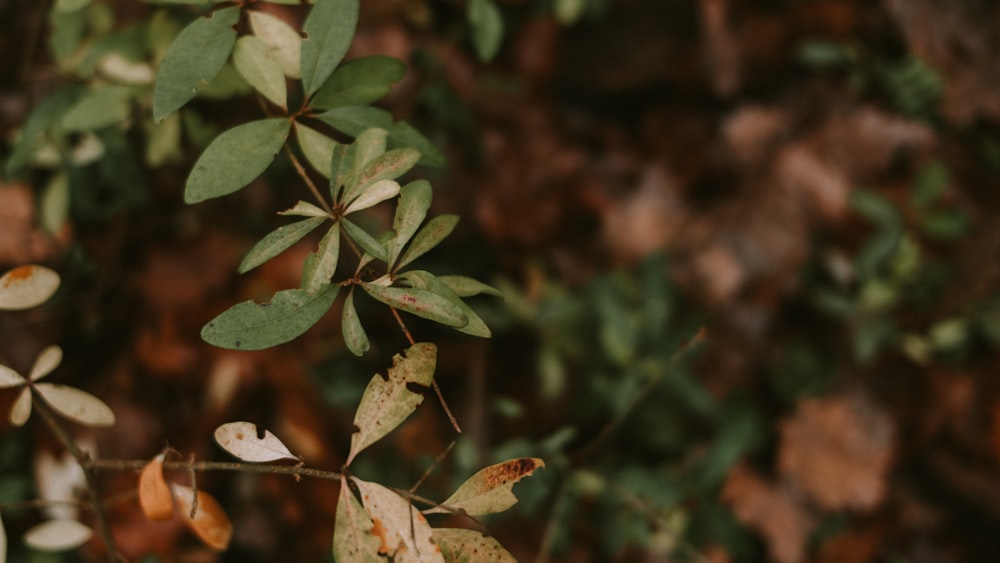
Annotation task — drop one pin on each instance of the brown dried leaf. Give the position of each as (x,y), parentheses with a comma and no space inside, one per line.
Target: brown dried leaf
(402,529)
(154,493)
(838,450)
(772,511)
(210,522)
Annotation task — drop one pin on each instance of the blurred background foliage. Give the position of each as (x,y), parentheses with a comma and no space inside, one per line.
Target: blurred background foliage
(812,182)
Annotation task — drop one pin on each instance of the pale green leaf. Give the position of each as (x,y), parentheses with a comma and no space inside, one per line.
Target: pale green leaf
(164,141)
(387,402)
(329,30)
(21,409)
(353,535)
(490,490)
(359,82)
(404,532)
(283,41)
(48,115)
(194,58)
(354,334)
(435,231)
(425,280)
(227,84)
(255,326)
(70,5)
(235,158)
(487,28)
(414,202)
(10,378)
(27,286)
(99,107)
(324,265)
(252,59)
(464,286)
(373,195)
(369,243)
(368,146)
(387,166)
(460,545)
(317,147)
(569,11)
(46,362)
(57,535)
(278,241)
(305,209)
(76,404)
(419,302)
(241,440)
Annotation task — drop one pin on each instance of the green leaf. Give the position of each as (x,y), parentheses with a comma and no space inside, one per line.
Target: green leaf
(99,107)
(354,334)
(235,158)
(329,30)
(70,5)
(414,202)
(353,535)
(359,82)
(388,166)
(374,194)
(353,120)
(403,134)
(283,42)
(387,401)
(420,302)
(317,147)
(53,204)
(459,545)
(435,231)
(325,264)
(404,532)
(490,490)
(369,145)
(277,241)
(421,279)
(487,28)
(255,326)
(467,287)
(194,58)
(253,60)
(48,115)
(341,168)
(369,243)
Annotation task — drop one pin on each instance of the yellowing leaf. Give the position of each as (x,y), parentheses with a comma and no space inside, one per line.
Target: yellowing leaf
(154,493)
(26,287)
(57,535)
(490,490)
(469,546)
(240,439)
(353,535)
(209,522)
(284,43)
(317,147)
(76,404)
(374,194)
(48,360)
(10,378)
(404,532)
(21,409)
(254,62)
(386,403)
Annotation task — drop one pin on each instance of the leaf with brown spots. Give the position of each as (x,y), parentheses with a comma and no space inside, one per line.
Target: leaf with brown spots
(387,402)
(154,493)
(469,546)
(403,531)
(241,440)
(26,287)
(354,534)
(490,490)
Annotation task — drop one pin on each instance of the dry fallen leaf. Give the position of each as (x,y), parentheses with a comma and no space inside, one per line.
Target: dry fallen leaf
(209,522)
(770,509)
(154,493)
(838,450)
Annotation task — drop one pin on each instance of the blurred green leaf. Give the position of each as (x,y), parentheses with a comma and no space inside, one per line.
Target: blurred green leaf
(98,107)
(194,58)
(487,28)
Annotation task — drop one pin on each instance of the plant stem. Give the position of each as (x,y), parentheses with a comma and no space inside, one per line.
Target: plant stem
(305,178)
(83,459)
(138,464)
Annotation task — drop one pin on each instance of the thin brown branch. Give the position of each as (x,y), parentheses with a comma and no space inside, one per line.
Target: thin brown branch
(304,174)
(138,464)
(434,383)
(431,467)
(601,438)
(82,458)
(551,524)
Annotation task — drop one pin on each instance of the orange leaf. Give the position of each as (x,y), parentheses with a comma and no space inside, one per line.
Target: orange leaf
(154,493)
(210,522)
